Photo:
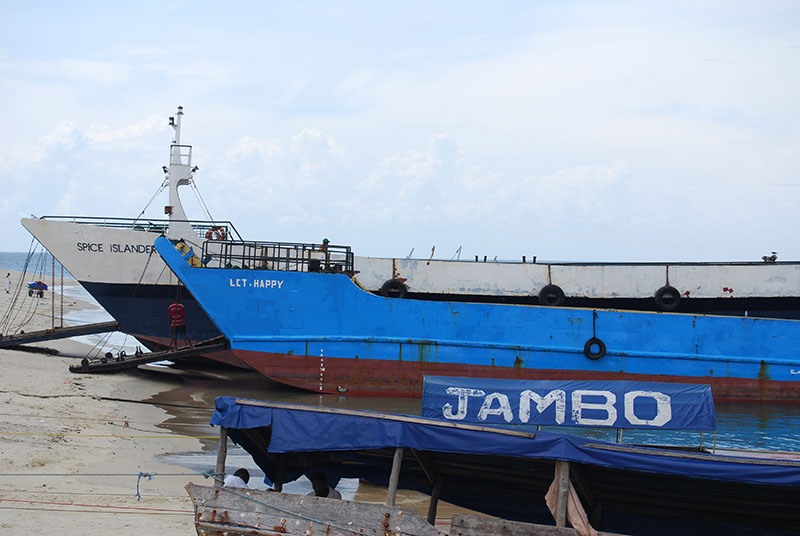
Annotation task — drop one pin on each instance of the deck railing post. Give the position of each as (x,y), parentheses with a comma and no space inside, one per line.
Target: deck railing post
(222,453)
(395,476)
(562,470)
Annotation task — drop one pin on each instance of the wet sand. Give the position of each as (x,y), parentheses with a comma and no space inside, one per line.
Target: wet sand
(202,390)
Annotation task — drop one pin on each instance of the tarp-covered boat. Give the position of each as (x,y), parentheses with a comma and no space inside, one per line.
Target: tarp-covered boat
(505,473)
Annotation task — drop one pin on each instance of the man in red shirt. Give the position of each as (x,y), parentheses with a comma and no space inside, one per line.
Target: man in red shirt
(177,322)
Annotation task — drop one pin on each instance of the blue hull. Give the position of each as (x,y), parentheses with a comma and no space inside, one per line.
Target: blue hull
(320,331)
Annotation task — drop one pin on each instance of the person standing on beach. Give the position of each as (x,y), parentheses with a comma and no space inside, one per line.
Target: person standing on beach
(8,283)
(177,322)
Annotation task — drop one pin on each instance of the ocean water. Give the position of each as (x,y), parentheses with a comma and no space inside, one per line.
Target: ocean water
(39,264)
(754,425)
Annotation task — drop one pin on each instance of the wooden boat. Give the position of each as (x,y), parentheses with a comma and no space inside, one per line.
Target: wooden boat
(500,472)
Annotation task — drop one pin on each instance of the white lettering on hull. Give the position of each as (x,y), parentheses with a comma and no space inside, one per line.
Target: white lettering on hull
(256,283)
(498,404)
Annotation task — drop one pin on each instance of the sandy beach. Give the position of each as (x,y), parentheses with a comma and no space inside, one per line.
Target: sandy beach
(72,446)
(70,456)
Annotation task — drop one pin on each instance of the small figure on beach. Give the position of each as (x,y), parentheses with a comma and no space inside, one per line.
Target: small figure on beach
(8,283)
(321,488)
(238,479)
(177,322)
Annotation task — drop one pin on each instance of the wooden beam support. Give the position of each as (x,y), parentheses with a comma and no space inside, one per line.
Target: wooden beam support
(436,492)
(222,453)
(394,477)
(562,472)
(280,472)
(424,460)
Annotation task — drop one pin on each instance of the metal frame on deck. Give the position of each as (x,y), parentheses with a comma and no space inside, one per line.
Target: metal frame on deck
(282,256)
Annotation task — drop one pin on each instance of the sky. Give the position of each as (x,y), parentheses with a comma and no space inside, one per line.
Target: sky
(582,131)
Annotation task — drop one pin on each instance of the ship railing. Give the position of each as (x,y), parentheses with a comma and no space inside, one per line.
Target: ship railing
(282,256)
(204,229)
(181,155)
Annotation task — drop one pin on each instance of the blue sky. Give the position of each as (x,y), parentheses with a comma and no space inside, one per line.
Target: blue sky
(603,130)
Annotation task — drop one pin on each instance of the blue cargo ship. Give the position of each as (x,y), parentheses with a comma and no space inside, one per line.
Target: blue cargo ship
(296,313)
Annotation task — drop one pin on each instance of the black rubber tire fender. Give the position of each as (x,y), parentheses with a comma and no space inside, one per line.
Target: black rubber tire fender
(667,298)
(552,296)
(394,288)
(590,352)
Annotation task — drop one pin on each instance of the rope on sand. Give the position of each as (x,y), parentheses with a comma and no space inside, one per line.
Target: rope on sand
(122,509)
(116,436)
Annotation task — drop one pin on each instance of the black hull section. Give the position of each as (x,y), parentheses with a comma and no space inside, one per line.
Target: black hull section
(141,310)
(786,308)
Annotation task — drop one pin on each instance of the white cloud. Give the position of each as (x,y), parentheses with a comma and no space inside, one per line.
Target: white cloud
(102,134)
(574,126)
(98,72)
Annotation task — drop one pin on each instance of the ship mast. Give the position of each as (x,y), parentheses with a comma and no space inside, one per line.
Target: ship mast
(180,173)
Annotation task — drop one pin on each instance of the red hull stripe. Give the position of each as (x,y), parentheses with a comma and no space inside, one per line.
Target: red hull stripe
(373,377)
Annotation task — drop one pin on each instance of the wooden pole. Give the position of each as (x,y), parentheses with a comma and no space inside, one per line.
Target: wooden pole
(53,290)
(62,295)
(280,472)
(222,453)
(395,476)
(435,494)
(562,470)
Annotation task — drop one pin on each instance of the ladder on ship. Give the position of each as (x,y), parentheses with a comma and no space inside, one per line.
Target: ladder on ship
(110,363)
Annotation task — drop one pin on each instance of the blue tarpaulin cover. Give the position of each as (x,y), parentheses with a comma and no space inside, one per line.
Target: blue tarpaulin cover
(608,404)
(307,430)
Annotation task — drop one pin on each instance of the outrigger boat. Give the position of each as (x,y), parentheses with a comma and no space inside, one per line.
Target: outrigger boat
(296,313)
(527,480)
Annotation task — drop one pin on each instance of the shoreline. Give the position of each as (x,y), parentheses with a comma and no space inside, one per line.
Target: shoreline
(72,448)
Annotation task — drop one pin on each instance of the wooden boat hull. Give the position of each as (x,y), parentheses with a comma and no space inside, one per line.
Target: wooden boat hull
(223,511)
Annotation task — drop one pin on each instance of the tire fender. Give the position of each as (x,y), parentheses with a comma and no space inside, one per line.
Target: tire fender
(552,296)
(594,348)
(667,298)
(394,288)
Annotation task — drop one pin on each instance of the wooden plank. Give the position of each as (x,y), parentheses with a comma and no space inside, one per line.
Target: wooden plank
(471,525)
(101,365)
(384,416)
(225,529)
(236,511)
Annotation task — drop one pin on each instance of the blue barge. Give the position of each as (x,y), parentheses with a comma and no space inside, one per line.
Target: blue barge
(300,318)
